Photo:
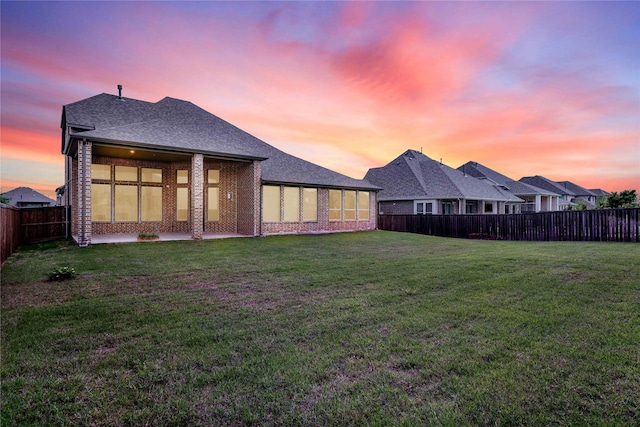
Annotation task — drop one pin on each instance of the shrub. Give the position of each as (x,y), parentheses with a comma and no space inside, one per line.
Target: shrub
(147,236)
(62,273)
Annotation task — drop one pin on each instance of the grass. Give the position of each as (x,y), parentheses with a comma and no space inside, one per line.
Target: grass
(372,328)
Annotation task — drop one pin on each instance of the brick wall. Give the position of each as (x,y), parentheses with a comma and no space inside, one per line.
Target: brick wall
(240,202)
(248,198)
(323,225)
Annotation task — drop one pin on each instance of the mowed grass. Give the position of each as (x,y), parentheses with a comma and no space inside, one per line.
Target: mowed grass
(371,328)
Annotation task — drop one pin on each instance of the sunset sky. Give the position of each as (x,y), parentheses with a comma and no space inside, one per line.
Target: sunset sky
(540,88)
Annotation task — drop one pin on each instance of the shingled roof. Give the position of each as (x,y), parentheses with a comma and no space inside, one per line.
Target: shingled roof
(547,184)
(180,126)
(25,196)
(414,176)
(481,171)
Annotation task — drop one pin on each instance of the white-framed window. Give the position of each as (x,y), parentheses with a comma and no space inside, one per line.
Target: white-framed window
(423,207)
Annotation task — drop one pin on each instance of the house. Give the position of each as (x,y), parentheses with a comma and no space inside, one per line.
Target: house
(581,193)
(569,193)
(133,166)
(25,197)
(415,184)
(535,199)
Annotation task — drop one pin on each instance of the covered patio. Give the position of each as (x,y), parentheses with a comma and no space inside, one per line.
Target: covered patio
(133,237)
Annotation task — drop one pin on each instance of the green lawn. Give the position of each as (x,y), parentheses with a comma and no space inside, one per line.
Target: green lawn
(371,328)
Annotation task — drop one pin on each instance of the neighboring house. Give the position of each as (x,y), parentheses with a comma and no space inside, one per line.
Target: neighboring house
(581,193)
(599,192)
(566,194)
(535,199)
(415,184)
(134,166)
(25,197)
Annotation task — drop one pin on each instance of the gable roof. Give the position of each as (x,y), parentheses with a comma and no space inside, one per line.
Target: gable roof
(480,171)
(25,195)
(578,190)
(547,184)
(413,176)
(181,126)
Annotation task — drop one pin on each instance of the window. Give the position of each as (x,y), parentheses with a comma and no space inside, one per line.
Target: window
(291,204)
(349,205)
(151,175)
(488,207)
(101,171)
(151,204)
(335,205)
(182,203)
(126,173)
(126,202)
(213,176)
(182,176)
(309,204)
(270,203)
(363,206)
(101,202)
(213,204)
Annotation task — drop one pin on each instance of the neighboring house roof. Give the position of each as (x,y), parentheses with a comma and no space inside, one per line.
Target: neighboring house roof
(414,176)
(180,126)
(547,184)
(25,196)
(599,192)
(480,171)
(577,190)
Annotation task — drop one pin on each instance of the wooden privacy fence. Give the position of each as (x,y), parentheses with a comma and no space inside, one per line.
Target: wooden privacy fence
(32,225)
(606,225)
(10,233)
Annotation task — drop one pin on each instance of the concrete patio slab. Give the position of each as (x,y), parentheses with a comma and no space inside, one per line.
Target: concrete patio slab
(130,238)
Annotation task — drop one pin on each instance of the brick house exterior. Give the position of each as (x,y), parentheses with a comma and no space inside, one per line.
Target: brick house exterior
(137,167)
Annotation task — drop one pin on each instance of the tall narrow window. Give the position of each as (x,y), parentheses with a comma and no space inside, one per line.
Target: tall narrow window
(335,205)
(309,204)
(363,206)
(126,203)
(151,204)
(182,203)
(270,203)
(349,205)
(291,204)
(213,204)
(101,202)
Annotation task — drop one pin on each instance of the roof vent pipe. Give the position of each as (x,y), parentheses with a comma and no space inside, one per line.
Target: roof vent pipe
(119,91)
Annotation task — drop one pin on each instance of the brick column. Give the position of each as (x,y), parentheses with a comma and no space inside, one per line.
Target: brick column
(83,206)
(197,196)
(257,198)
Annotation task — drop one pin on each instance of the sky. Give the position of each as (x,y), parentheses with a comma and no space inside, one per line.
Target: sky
(525,88)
